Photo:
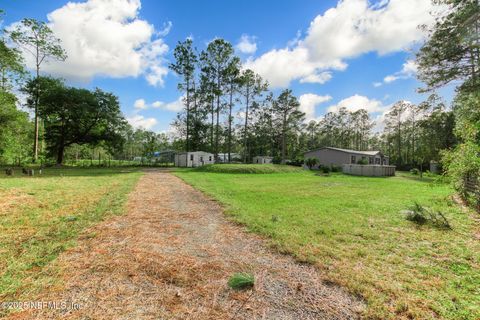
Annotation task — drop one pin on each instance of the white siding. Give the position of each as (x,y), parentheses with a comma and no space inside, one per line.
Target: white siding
(193,159)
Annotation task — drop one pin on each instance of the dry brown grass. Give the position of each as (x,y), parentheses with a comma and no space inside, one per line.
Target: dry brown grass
(170,257)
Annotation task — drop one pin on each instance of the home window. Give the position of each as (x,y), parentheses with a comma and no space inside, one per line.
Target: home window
(201,159)
(191,157)
(370,160)
(354,159)
(377,160)
(209,158)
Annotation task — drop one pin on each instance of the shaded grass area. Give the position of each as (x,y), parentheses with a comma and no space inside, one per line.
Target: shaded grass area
(42,216)
(247,168)
(351,228)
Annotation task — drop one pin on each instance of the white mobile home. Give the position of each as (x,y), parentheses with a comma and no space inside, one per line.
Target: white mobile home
(262,159)
(193,159)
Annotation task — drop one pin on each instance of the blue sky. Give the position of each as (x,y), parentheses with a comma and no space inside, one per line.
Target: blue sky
(355,55)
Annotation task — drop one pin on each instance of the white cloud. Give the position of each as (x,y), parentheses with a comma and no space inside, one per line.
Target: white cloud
(377,84)
(138,121)
(140,104)
(357,102)
(308,103)
(174,106)
(390,78)
(409,70)
(320,78)
(352,28)
(247,44)
(107,38)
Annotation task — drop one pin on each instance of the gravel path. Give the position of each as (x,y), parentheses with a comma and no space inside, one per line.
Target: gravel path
(170,257)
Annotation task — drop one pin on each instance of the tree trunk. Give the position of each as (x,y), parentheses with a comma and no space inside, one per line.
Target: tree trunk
(284,140)
(211,128)
(246,126)
(188,116)
(217,128)
(230,107)
(60,152)
(37,101)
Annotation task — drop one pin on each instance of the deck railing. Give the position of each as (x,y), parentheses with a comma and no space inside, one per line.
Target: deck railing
(369,170)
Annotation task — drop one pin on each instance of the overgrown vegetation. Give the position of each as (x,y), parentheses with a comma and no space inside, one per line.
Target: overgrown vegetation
(42,216)
(247,168)
(452,55)
(350,227)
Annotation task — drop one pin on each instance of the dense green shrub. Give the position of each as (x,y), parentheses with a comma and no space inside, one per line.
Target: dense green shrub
(415,171)
(311,162)
(461,162)
(336,168)
(362,161)
(325,169)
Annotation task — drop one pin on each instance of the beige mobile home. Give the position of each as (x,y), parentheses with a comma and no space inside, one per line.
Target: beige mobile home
(193,159)
(329,156)
(262,159)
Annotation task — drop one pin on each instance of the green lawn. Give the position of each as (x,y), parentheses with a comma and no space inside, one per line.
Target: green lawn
(41,216)
(351,228)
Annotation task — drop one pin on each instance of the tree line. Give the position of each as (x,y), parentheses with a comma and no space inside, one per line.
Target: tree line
(216,89)
(230,109)
(66,121)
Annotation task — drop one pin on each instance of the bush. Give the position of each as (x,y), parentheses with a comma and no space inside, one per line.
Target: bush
(298,162)
(422,215)
(325,169)
(241,281)
(311,162)
(362,162)
(460,163)
(336,168)
(415,171)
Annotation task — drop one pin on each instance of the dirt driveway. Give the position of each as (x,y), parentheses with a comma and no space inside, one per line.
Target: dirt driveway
(170,257)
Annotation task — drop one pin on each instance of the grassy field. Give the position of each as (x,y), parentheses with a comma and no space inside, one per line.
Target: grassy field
(41,216)
(352,228)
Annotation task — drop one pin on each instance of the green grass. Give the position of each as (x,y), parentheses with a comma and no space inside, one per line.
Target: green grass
(42,216)
(240,281)
(247,168)
(351,228)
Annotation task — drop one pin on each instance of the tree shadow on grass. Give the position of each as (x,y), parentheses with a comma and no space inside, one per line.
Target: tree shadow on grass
(71,172)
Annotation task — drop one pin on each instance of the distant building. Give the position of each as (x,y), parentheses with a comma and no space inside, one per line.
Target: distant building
(223,157)
(193,159)
(329,156)
(164,156)
(262,159)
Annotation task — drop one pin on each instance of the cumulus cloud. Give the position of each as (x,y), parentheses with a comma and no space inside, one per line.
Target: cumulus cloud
(357,102)
(320,78)
(309,102)
(409,70)
(174,106)
(107,38)
(140,104)
(140,122)
(350,29)
(247,44)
